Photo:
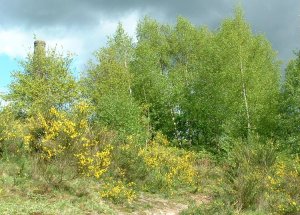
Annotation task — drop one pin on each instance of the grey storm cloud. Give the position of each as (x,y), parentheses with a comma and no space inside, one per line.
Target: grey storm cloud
(80,12)
(279,20)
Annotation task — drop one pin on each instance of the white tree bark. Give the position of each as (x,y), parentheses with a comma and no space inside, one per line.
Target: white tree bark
(245,97)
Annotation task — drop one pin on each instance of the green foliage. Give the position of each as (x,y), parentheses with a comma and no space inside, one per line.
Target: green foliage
(65,140)
(11,132)
(44,82)
(23,191)
(118,192)
(181,72)
(151,84)
(147,115)
(256,178)
(290,105)
(239,80)
(248,166)
(108,86)
(167,168)
(283,183)
(157,167)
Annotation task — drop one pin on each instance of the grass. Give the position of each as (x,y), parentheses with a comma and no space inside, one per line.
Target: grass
(24,191)
(253,179)
(54,204)
(24,194)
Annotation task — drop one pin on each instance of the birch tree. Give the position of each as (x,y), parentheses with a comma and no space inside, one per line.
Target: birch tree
(290,104)
(108,85)
(150,68)
(250,71)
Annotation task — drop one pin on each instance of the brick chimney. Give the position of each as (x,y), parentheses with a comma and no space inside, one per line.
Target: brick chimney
(39,47)
(39,56)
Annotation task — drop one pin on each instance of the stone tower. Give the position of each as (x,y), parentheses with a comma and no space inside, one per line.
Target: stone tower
(39,47)
(39,57)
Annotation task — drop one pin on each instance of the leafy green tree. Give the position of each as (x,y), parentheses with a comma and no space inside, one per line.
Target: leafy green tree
(150,68)
(45,81)
(233,91)
(290,104)
(249,79)
(189,48)
(108,85)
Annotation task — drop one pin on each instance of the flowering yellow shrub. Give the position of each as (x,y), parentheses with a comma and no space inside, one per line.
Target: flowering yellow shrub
(95,154)
(94,163)
(168,166)
(160,139)
(59,134)
(51,136)
(11,131)
(118,191)
(6,119)
(284,186)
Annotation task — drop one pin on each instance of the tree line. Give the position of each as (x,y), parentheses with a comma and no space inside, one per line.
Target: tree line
(196,86)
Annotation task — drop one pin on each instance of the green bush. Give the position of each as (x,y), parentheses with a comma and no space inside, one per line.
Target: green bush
(242,184)
(283,184)
(155,167)
(247,168)
(11,132)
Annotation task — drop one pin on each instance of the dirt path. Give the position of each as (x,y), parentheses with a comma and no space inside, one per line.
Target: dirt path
(153,205)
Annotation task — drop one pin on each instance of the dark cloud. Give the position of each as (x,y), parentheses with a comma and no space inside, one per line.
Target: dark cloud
(79,12)
(278,19)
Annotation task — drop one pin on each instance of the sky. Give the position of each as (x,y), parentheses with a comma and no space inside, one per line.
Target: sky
(82,26)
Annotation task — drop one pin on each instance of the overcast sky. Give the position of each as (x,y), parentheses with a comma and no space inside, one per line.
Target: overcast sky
(82,26)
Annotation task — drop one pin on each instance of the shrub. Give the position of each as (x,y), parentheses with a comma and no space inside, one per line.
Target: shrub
(94,157)
(118,191)
(256,177)
(242,185)
(283,186)
(11,132)
(126,164)
(51,139)
(154,167)
(168,167)
(246,172)
(66,139)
